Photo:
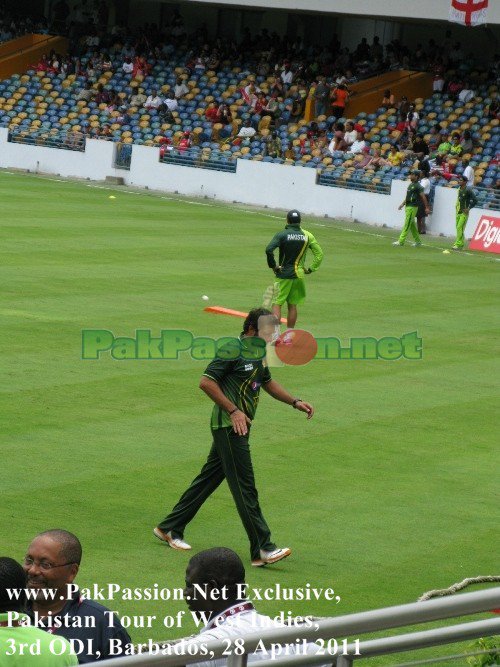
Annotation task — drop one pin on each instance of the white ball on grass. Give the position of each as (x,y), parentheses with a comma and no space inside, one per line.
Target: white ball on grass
(205,297)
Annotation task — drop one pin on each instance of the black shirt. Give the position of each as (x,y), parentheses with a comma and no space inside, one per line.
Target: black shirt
(94,641)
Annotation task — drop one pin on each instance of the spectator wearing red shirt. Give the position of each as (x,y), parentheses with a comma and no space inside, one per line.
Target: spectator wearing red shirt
(212,113)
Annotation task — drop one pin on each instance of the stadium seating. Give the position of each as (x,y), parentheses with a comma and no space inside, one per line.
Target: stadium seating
(37,106)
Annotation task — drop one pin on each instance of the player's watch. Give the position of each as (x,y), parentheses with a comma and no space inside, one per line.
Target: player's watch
(295,401)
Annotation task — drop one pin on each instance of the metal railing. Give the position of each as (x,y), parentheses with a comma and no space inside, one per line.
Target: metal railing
(352,183)
(351,625)
(70,141)
(198,159)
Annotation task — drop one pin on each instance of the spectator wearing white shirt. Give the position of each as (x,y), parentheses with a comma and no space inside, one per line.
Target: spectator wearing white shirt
(153,101)
(128,66)
(358,145)
(246,130)
(216,593)
(466,94)
(180,89)
(287,76)
(350,135)
(468,173)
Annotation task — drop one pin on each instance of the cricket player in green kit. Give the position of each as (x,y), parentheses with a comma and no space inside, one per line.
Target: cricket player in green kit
(293,243)
(465,201)
(234,386)
(413,194)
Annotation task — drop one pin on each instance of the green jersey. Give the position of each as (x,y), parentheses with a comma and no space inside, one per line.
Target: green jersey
(24,645)
(240,380)
(466,199)
(413,194)
(293,243)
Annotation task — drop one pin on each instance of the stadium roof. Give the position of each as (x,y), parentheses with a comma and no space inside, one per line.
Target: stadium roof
(437,10)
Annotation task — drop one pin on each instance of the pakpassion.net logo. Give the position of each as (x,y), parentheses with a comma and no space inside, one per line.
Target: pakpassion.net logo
(294,347)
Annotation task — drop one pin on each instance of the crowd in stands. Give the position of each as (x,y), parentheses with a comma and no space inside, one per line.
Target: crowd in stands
(248,100)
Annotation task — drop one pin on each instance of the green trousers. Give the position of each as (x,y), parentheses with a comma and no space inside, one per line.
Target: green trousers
(461,221)
(410,224)
(229,459)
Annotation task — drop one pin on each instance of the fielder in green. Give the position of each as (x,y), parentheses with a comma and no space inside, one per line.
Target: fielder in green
(465,201)
(234,386)
(414,193)
(293,243)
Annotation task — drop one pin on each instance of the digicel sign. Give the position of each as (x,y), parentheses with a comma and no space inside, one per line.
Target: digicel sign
(487,235)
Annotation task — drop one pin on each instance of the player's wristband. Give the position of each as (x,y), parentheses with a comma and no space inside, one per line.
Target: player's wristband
(233,411)
(295,401)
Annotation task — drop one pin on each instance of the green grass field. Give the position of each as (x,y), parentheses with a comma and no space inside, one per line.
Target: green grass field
(388,492)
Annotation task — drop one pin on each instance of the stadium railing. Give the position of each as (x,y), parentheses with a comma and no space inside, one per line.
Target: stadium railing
(70,141)
(351,625)
(354,183)
(196,158)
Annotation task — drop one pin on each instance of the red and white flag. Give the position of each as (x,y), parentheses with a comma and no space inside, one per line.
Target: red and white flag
(469,12)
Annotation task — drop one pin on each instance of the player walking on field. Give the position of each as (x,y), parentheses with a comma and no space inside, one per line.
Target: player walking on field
(293,243)
(234,386)
(414,194)
(465,201)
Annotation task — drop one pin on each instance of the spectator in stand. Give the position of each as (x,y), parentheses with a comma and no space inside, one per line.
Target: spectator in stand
(153,101)
(466,142)
(412,118)
(468,173)
(297,108)
(211,113)
(376,49)
(277,86)
(224,114)
(493,109)
(86,93)
(419,147)
(388,100)
(261,103)
(338,142)
(180,89)
(404,106)
(350,134)
(444,147)
(358,146)
(321,97)
(454,88)
(339,98)
(272,107)
(365,158)
(250,94)
(138,99)
(440,168)
(286,76)
(185,142)
(102,96)
(421,212)
(438,82)
(273,145)
(246,130)
(466,94)
(395,157)
(128,66)
(141,67)
(376,161)
(456,149)
(362,51)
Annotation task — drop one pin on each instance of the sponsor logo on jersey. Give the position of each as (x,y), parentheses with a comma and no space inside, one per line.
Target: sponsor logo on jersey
(249,367)
(255,385)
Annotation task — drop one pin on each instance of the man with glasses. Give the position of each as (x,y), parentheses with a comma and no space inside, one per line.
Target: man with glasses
(51,565)
(21,644)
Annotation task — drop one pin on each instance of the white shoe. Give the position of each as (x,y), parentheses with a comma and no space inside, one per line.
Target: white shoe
(174,542)
(417,244)
(269,557)
(396,243)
